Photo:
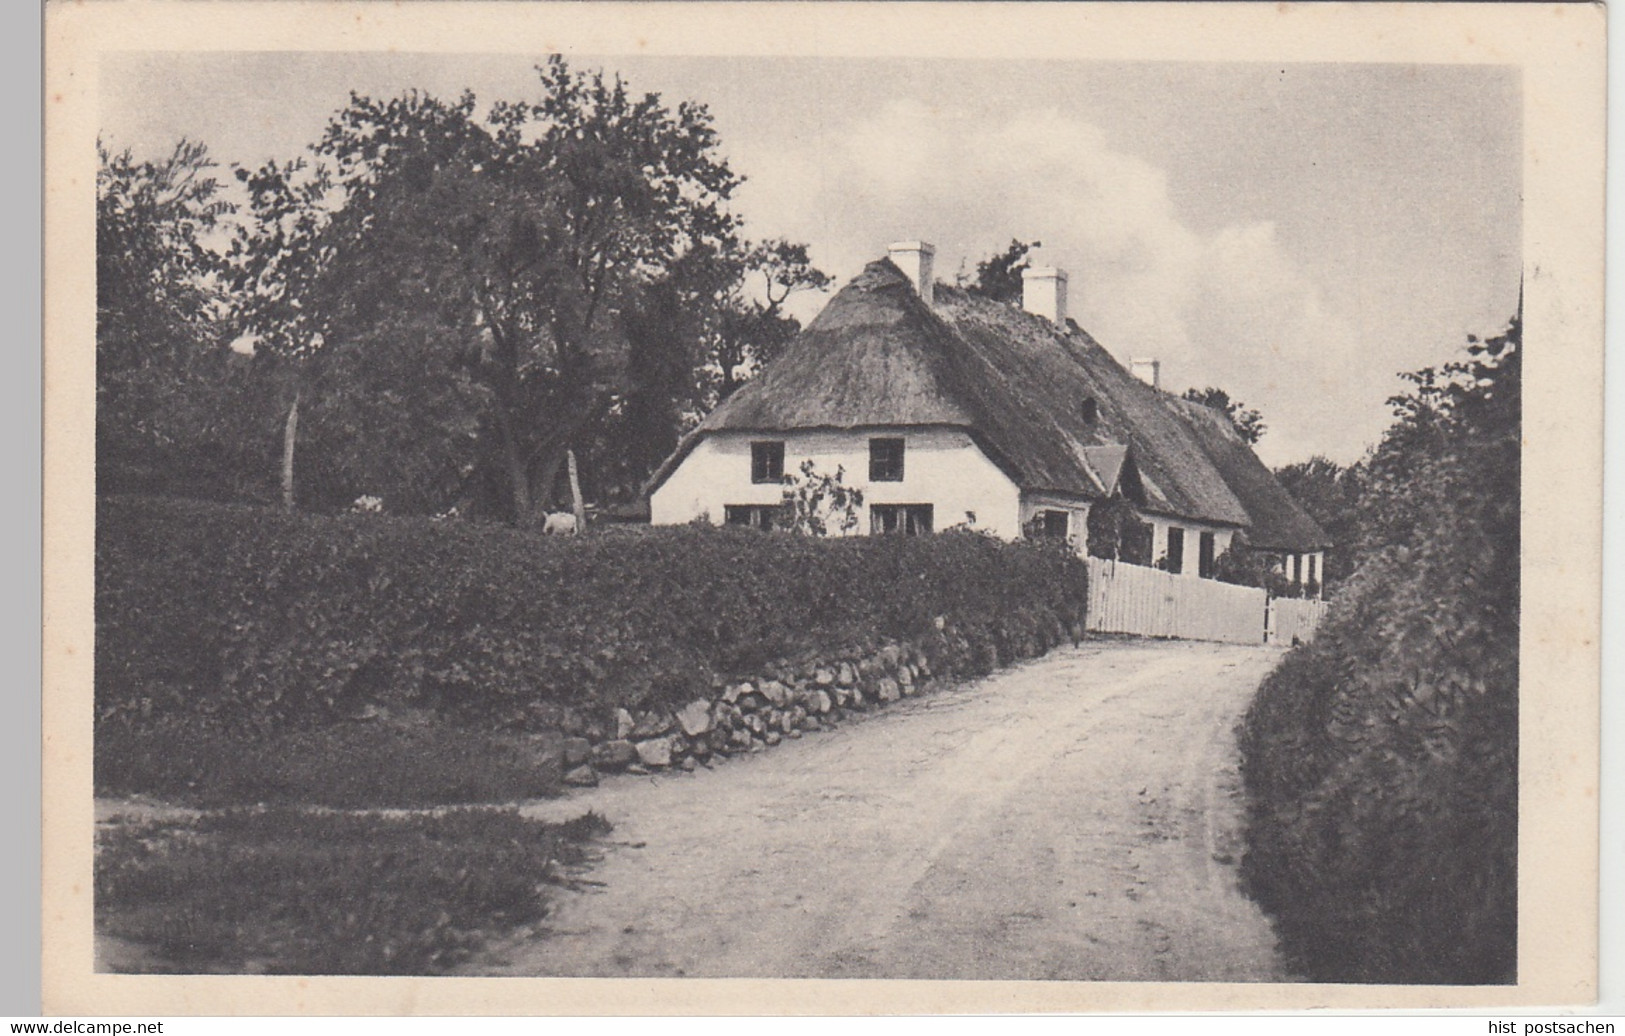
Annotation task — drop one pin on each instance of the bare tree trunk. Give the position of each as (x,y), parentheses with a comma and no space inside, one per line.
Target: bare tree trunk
(575,493)
(551,452)
(290,432)
(518,476)
(547,475)
(506,389)
(519,479)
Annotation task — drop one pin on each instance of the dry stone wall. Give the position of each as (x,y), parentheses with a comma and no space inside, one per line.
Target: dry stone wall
(785,702)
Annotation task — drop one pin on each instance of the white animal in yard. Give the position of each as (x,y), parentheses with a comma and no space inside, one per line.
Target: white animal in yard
(559,523)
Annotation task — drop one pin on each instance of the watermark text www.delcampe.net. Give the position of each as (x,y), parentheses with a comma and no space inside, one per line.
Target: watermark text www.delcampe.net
(91,1028)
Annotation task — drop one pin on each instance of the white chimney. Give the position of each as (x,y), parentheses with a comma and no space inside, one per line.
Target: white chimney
(1043,292)
(1148,371)
(914,259)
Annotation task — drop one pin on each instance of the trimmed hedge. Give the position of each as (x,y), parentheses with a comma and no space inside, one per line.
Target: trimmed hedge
(268,620)
(1381,760)
(1382,779)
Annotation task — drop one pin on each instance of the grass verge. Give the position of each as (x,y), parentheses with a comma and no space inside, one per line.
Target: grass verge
(194,762)
(286,891)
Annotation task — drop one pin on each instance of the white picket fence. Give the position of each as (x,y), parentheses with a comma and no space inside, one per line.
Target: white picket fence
(1293,619)
(1126,598)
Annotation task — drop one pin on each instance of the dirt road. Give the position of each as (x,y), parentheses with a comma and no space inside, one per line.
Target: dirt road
(1077,817)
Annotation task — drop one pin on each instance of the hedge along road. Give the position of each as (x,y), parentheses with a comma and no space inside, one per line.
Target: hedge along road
(1076,817)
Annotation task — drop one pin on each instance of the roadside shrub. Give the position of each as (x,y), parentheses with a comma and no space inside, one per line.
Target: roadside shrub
(1381,760)
(1243,567)
(294,892)
(265,620)
(817,504)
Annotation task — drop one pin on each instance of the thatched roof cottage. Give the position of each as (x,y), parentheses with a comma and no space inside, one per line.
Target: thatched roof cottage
(952,409)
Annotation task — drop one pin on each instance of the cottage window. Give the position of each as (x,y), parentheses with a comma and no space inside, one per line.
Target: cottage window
(1176,549)
(885,460)
(752,516)
(1091,410)
(1204,555)
(1053,525)
(900,519)
(767,462)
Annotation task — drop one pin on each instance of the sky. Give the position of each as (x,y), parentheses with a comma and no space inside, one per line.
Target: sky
(1296,234)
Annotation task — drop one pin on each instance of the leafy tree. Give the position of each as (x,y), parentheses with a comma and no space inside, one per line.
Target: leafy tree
(1248,423)
(998,277)
(1116,531)
(694,336)
(161,358)
(485,292)
(1463,419)
(751,330)
(1244,567)
(1330,494)
(156,301)
(644,425)
(274,260)
(373,381)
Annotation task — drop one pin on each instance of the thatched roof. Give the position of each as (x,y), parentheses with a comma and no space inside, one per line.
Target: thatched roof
(1276,520)
(1046,376)
(874,356)
(878,357)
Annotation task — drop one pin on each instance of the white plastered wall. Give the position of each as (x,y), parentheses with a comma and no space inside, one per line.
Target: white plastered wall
(1193,530)
(941,467)
(1077,510)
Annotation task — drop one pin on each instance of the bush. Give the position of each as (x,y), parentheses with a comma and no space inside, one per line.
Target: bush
(1381,760)
(265,620)
(293,892)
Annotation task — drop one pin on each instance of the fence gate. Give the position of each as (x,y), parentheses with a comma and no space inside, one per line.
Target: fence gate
(1126,598)
(1292,620)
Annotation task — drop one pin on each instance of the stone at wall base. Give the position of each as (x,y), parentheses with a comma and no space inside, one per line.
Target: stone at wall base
(695,717)
(655,752)
(623,724)
(614,755)
(577,750)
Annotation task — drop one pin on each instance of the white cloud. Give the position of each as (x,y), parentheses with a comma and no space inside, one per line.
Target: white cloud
(1228,308)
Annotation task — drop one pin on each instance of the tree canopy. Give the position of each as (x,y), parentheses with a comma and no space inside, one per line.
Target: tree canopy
(998,277)
(1248,423)
(160,341)
(456,297)
(1330,494)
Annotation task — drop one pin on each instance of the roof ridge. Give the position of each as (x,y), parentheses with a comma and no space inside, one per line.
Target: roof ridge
(879,355)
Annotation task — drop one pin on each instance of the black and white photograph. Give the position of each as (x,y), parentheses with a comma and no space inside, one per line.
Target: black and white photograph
(571,509)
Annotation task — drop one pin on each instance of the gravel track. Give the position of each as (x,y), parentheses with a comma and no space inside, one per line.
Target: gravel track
(1077,817)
